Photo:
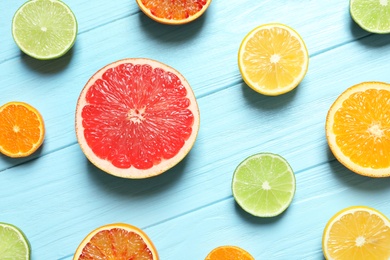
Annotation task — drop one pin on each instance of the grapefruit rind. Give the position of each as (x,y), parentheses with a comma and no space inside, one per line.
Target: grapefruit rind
(124,226)
(331,137)
(263,89)
(148,13)
(339,215)
(42,130)
(133,173)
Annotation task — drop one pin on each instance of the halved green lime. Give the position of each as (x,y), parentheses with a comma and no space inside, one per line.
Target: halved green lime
(44,29)
(264,185)
(371,15)
(13,243)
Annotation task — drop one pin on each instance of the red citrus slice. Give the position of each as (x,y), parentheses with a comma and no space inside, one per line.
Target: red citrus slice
(136,118)
(116,241)
(173,11)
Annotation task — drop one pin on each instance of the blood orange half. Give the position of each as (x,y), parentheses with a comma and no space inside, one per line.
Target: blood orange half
(136,118)
(117,241)
(173,11)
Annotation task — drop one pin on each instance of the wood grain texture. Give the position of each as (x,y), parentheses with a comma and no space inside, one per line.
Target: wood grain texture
(57,197)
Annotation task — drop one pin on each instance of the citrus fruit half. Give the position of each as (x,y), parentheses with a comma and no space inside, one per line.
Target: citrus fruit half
(13,243)
(117,241)
(44,29)
(136,118)
(229,253)
(22,129)
(273,59)
(173,11)
(372,15)
(264,184)
(358,129)
(358,233)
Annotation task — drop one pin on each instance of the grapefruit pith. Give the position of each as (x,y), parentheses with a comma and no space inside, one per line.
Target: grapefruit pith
(136,118)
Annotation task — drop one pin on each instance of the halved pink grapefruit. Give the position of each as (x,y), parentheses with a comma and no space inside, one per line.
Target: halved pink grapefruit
(136,118)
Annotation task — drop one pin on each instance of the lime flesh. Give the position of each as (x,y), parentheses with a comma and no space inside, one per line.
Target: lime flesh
(264,185)
(372,15)
(13,243)
(44,29)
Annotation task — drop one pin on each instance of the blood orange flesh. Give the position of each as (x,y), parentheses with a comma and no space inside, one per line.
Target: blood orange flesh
(136,118)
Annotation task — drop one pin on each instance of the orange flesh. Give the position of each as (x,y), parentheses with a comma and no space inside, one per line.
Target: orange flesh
(118,244)
(21,130)
(365,137)
(273,58)
(174,9)
(350,238)
(229,253)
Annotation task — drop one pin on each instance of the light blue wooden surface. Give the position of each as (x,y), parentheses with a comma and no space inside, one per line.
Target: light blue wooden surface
(57,197)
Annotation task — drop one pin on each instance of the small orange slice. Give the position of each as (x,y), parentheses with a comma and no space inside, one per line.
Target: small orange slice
(21,129)
(173,11)
(357,233)
(116,241)
(358,129)
(229,253)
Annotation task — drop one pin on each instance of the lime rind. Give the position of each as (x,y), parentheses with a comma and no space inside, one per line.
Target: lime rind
(44,29)
(264,185)
(13,243)
(371,15)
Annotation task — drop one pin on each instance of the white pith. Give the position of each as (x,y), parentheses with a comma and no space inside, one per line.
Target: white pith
(133,172)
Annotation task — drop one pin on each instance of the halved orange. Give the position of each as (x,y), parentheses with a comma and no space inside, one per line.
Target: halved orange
(173,11)
(358,129)
(358,233)
(229,253)
(117,241)
(273,59)
(22,129)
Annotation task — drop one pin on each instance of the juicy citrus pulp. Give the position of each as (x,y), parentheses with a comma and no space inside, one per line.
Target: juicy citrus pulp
(116,241)
(136,118)
(264,184)
(44,29)
(371,15)
(273,59)
(358,129)
(21,129)
(358,233)
(229,253)
(13,243)
(174,11)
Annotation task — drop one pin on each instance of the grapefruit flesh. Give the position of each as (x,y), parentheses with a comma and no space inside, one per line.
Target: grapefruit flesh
(136,118)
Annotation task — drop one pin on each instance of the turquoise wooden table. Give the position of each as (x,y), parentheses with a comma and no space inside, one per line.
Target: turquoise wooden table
(57,197)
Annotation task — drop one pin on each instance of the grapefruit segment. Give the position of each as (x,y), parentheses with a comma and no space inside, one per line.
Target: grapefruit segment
(136,118)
